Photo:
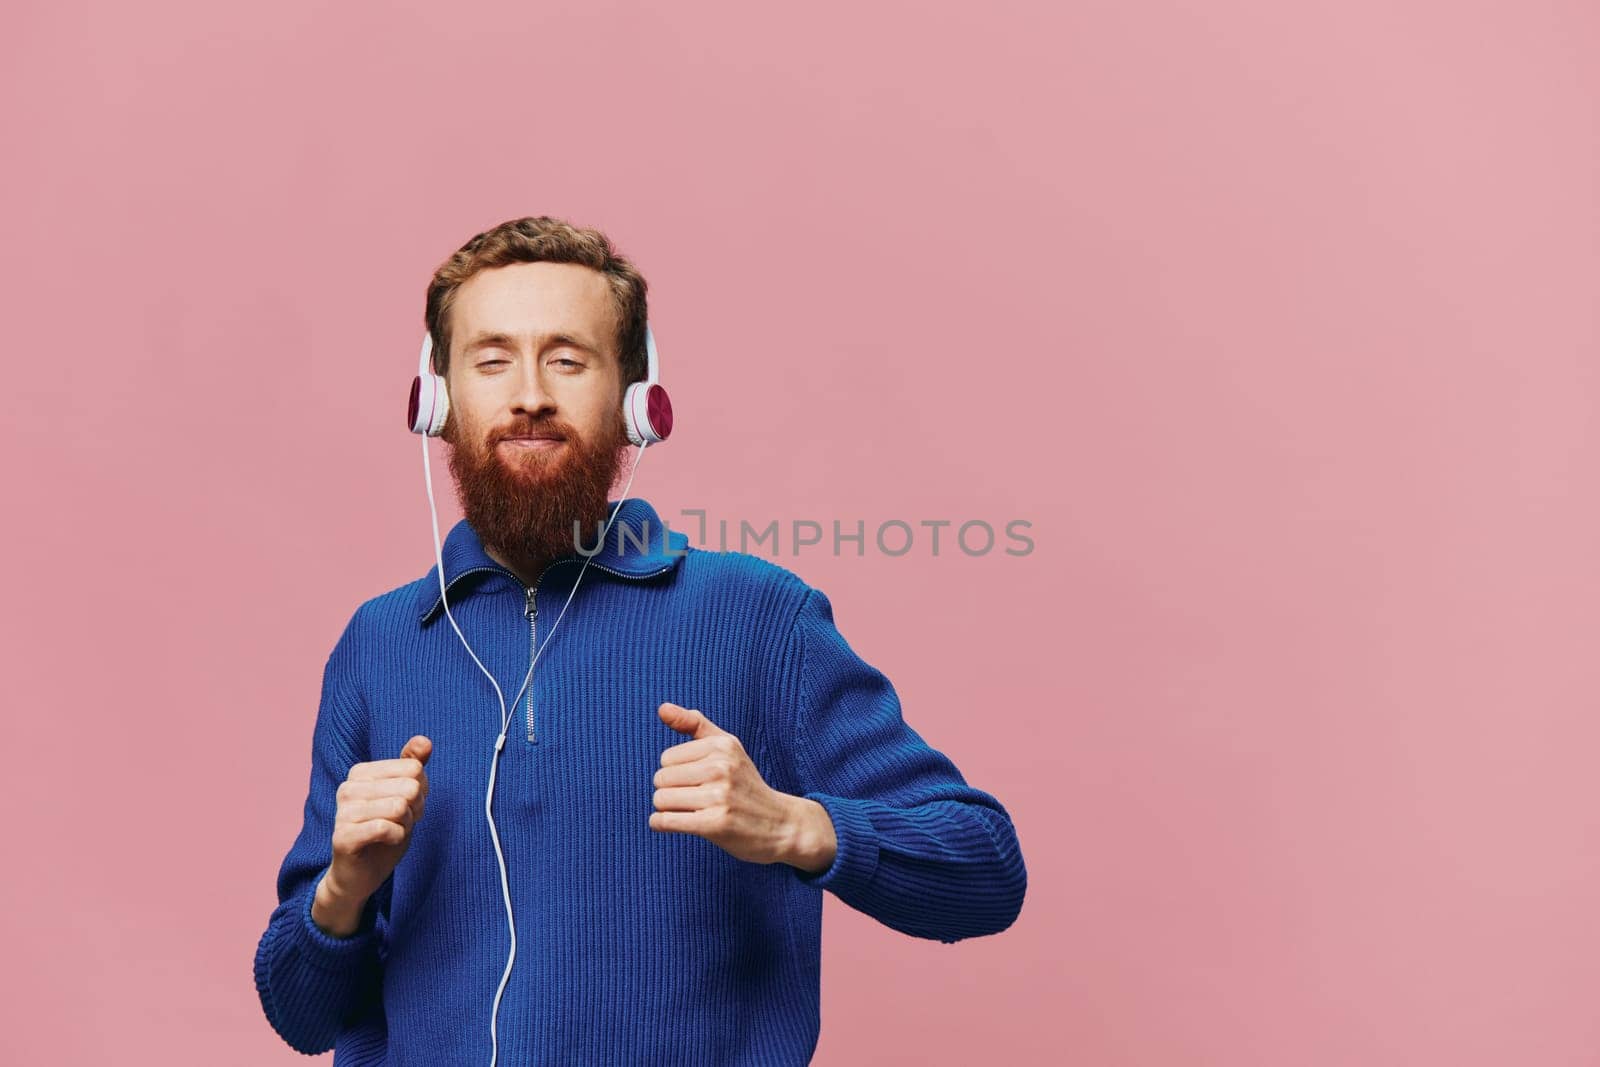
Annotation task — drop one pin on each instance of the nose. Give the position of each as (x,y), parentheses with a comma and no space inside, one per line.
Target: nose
(531,397)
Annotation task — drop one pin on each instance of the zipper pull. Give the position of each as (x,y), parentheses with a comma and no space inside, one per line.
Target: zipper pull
(532,608)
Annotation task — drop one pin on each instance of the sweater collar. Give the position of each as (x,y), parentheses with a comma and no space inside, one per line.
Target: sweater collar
(620,555)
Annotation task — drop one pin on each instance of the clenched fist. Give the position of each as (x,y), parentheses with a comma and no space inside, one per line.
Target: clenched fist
(379,803)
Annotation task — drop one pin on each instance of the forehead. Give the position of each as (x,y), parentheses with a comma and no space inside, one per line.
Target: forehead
(536,298)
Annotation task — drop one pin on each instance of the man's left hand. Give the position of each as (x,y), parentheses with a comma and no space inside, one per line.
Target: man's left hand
(708,786)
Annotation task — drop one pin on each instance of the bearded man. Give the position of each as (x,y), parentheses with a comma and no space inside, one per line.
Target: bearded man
(625,862)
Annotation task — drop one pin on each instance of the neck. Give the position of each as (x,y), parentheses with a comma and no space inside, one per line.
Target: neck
(526,568)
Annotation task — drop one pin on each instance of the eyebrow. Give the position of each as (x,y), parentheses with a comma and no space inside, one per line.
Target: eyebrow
(484,340)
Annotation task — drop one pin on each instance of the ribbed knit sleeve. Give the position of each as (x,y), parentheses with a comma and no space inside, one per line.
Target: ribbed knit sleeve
(918,849)
(311,985)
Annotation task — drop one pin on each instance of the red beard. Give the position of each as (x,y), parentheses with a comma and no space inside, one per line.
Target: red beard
(524,504)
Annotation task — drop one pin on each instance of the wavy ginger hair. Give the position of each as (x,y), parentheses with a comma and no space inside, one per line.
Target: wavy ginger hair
(543,239)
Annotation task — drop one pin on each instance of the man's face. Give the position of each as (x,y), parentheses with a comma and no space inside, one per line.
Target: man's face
(535,430)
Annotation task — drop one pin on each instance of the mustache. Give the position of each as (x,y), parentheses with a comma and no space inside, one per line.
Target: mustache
(531,428)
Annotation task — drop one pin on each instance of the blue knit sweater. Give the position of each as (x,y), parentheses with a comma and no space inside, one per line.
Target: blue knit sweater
(634,945)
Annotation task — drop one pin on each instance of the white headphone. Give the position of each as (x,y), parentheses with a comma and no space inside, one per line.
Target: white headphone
(645,407)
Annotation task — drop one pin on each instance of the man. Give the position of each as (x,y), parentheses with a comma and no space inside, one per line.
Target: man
(697,755)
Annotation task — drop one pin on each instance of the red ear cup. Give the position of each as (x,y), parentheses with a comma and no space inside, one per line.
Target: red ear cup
(428,405)
(658,410)
(647,412)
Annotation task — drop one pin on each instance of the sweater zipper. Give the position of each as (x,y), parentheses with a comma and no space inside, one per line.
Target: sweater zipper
(532,611)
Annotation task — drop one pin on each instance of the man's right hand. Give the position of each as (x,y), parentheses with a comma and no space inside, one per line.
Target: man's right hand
(379,803)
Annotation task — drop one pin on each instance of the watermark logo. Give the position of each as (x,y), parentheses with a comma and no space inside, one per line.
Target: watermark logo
(778,539)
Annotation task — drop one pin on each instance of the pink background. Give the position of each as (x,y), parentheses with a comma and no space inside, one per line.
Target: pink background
(1277,322)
